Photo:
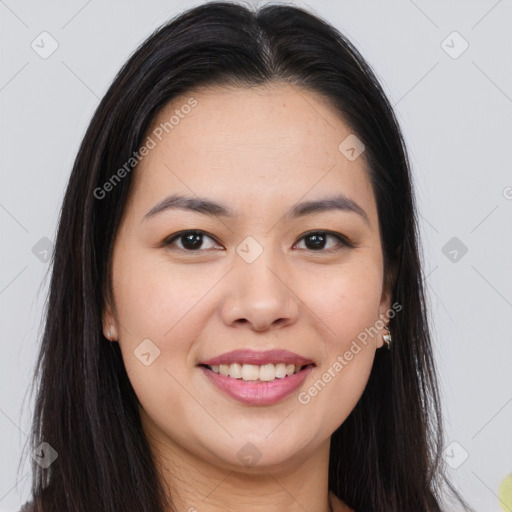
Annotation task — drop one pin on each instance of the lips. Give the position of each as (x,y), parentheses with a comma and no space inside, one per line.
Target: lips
(258,358)
(249,389)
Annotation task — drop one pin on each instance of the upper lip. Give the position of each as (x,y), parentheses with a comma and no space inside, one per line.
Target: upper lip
(258,358)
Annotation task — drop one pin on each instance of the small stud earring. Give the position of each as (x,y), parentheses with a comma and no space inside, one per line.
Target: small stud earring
(387,337)
(109,336)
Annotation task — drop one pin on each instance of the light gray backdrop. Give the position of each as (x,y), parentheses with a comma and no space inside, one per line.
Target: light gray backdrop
(446,67)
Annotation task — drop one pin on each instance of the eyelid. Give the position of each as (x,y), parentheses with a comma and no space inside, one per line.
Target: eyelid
(170,239)
(342,239)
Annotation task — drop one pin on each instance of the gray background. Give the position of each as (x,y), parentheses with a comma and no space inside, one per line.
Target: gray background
(455,110)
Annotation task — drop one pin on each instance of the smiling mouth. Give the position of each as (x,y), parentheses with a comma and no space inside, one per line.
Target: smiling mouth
(257,373)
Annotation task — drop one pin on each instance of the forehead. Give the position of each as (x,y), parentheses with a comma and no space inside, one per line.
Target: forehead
(278,120)
(238,145)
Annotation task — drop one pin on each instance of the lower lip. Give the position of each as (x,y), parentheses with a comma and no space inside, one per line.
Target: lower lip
(255,392)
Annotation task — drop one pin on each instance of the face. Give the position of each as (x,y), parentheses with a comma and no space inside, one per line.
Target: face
(192,285)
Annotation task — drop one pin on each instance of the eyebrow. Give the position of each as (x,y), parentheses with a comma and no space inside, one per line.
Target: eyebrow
(208,207)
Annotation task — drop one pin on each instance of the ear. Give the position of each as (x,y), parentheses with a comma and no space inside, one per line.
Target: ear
(110,330)
(384,308)
(385,303)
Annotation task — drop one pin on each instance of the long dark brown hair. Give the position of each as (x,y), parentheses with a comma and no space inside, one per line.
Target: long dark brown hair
(386,456)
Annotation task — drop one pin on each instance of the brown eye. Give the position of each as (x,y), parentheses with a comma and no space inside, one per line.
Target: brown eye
(317,241)
(191,241)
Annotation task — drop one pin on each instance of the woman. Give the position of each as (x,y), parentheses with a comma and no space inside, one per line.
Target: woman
(236,317)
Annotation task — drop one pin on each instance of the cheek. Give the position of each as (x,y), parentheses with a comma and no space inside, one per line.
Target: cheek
(155,299)
(347,302)
(162,310)
(161,303)
(154,312)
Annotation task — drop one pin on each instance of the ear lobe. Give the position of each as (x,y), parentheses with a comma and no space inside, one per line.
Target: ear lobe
(386,306)
(109,324)
(383,321)
(384,309)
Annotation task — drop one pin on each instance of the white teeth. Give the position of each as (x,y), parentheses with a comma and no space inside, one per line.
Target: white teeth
(266,372)
(235,371)
(280,371)
(290,369)
(250,372)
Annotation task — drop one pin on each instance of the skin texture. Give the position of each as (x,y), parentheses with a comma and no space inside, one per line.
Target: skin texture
(258,151)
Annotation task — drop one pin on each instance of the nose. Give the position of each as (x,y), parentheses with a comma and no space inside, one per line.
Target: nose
(260,295)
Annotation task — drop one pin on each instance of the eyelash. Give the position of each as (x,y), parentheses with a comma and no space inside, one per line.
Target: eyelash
(344,242)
